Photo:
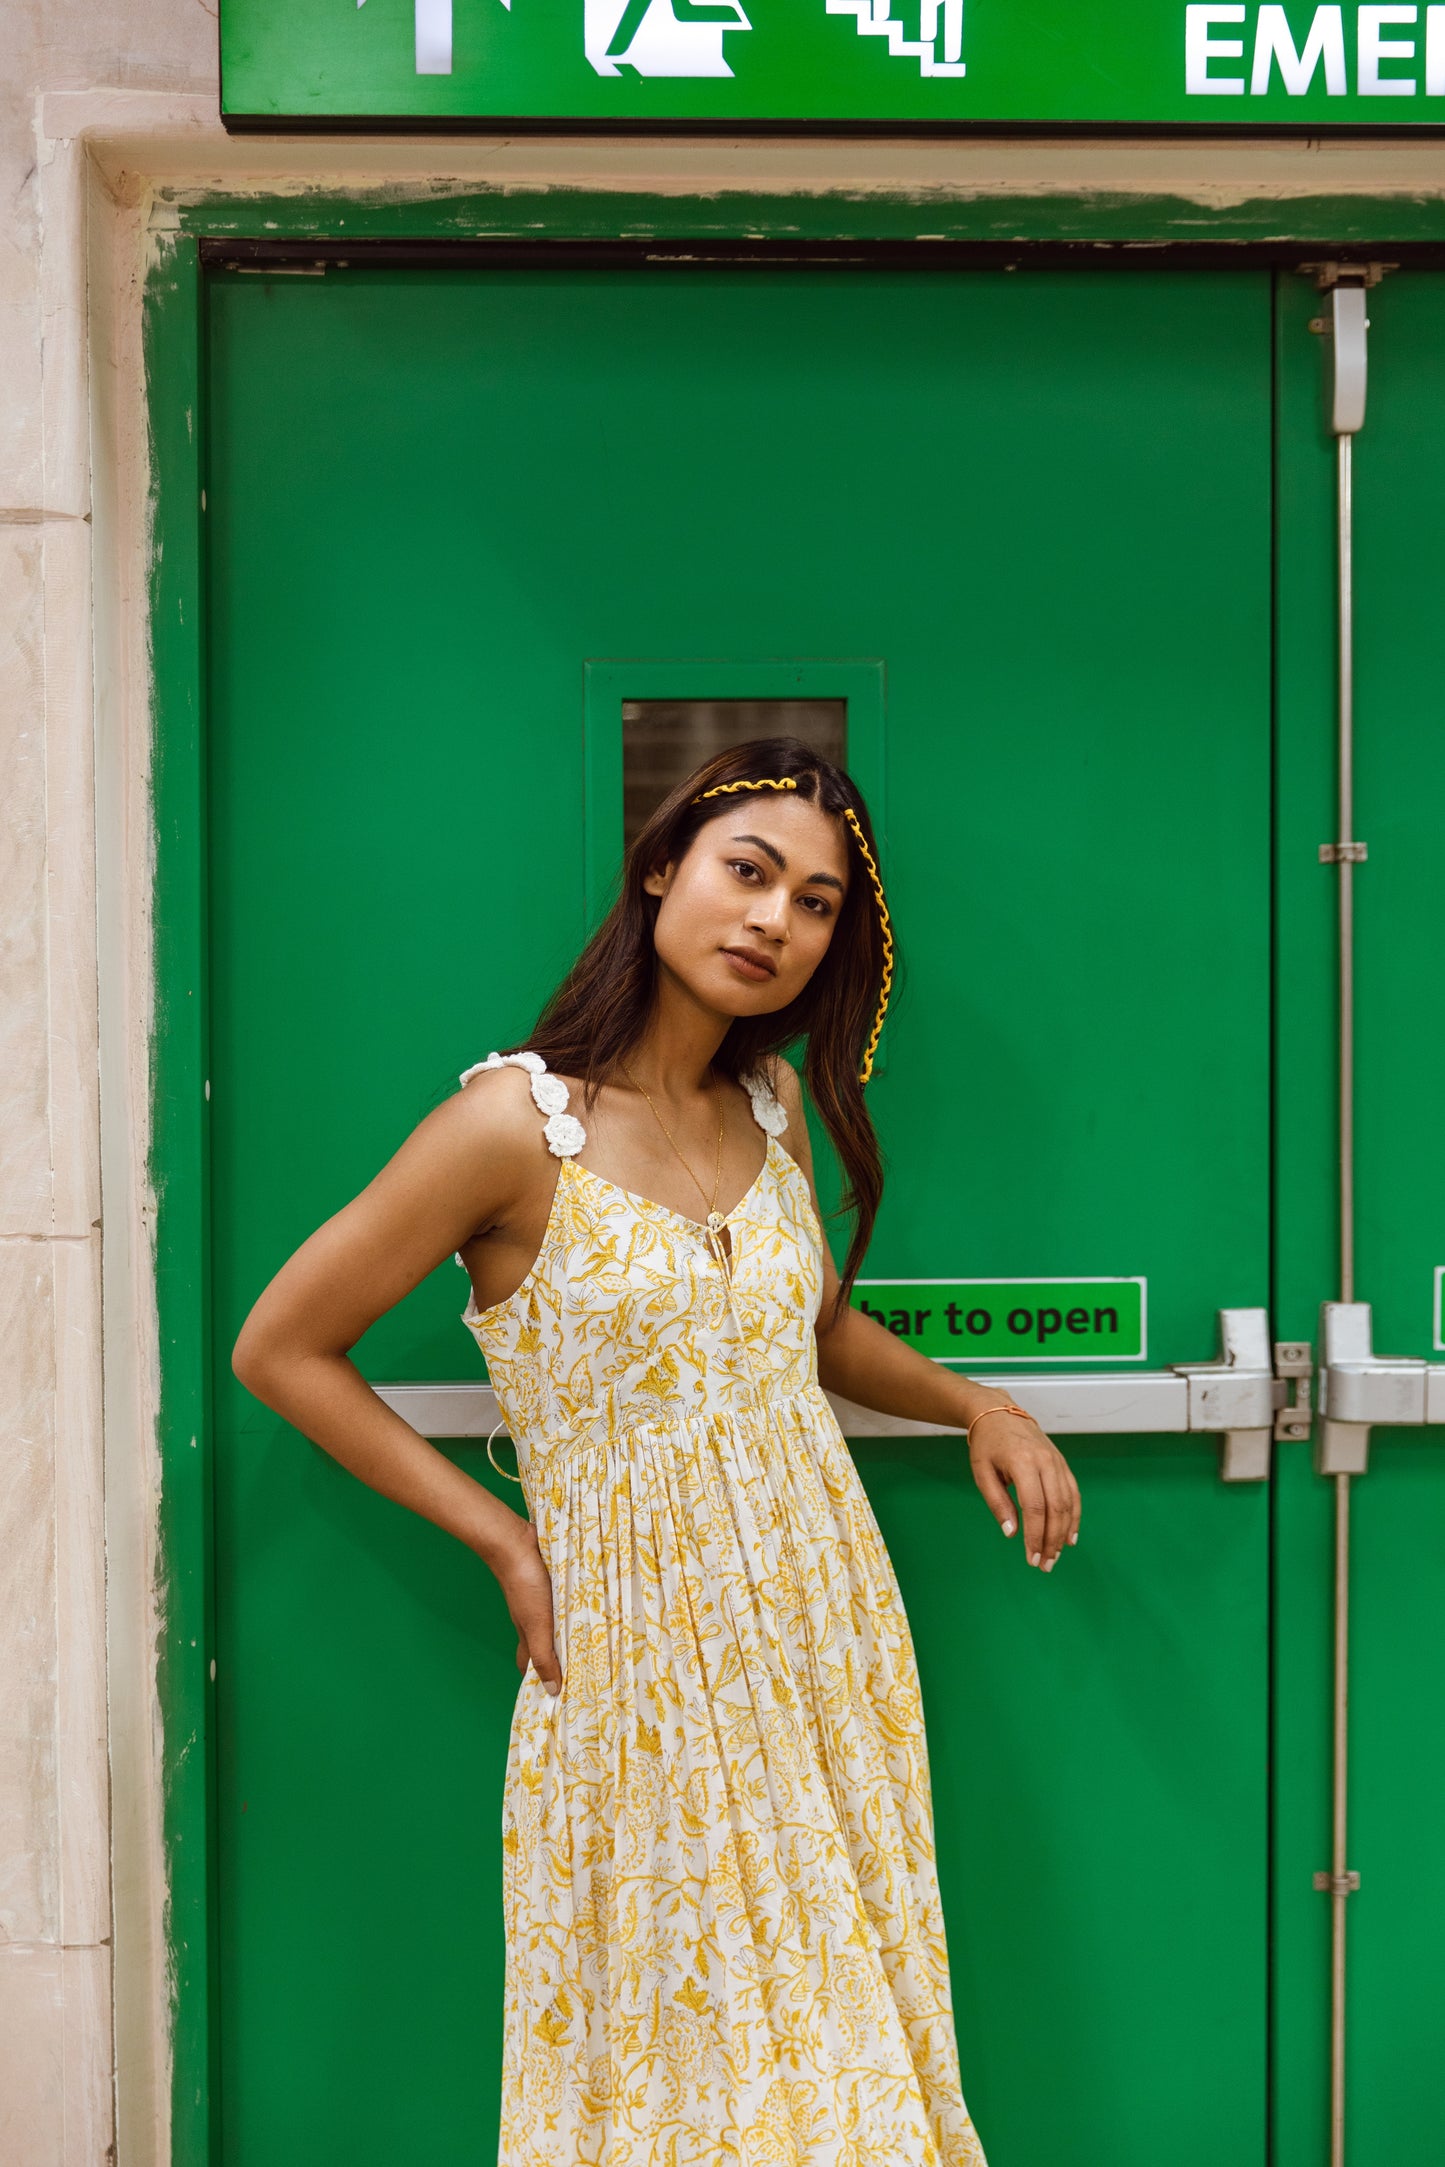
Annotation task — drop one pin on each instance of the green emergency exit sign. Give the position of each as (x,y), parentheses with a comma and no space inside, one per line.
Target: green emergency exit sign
(791,63)
(1013,1320)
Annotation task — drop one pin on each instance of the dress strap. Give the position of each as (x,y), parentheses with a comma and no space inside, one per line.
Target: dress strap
(564,1132)
(769,1112)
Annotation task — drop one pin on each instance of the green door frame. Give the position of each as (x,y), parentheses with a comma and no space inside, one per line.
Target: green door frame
(491,226)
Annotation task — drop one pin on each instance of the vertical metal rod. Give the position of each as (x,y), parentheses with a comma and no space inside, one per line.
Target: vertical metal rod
(1345,865)
(1339,1878)
(1344,869)
(1350,360)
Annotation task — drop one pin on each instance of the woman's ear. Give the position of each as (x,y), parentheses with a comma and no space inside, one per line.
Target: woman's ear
(658,881)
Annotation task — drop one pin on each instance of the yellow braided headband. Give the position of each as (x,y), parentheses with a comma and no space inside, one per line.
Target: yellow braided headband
(786,782)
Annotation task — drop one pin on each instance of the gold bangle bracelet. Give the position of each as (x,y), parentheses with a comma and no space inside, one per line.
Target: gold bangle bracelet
(1005,1407)
(496,1462)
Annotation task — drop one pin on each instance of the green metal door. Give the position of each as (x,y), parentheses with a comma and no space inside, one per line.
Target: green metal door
(1033,513)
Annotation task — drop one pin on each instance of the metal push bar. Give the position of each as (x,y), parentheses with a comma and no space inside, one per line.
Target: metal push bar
(1236,1397)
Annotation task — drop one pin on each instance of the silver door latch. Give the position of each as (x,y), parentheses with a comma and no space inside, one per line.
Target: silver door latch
(1234,1394)
(1255,1394)
(1359,1388)
(1294,1369)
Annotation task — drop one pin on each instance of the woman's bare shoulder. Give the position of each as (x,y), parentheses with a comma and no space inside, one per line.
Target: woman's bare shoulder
(496,1108)
(501,1090)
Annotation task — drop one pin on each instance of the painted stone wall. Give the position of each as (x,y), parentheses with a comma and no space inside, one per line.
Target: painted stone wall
(56,2061)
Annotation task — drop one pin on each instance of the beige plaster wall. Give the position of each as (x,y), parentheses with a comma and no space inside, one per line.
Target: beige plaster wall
(107,117)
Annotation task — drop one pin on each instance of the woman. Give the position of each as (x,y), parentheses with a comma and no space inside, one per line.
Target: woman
(724,1936)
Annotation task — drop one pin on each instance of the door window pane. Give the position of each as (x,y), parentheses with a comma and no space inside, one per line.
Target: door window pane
(664,740)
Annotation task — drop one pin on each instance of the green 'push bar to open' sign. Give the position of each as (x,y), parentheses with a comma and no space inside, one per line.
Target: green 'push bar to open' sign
(800,63)
(1013,1320)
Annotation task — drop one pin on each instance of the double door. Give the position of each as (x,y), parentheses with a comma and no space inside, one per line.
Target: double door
(1049,556)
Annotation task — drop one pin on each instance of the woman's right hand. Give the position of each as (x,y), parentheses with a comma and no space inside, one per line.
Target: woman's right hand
(527,1586)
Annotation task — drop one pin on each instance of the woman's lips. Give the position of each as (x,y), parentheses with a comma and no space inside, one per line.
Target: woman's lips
(749,966)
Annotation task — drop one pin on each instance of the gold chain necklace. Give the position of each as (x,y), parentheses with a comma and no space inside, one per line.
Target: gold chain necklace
(715,1220)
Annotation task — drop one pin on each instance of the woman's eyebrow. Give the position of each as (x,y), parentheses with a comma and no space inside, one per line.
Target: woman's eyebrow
(770,848)
(814,880)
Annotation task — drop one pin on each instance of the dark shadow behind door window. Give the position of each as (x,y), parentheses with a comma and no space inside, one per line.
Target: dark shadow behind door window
(664,740)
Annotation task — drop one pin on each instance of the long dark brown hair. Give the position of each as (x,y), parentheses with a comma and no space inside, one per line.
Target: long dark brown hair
(603,1005)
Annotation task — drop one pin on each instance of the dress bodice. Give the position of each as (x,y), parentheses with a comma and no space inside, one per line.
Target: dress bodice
(627,1319)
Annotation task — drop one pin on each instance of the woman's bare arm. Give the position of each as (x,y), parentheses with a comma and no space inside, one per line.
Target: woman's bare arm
(465,1167)
(862,1361)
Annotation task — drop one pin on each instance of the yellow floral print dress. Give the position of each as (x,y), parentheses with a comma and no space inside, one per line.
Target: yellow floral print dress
(724,1941)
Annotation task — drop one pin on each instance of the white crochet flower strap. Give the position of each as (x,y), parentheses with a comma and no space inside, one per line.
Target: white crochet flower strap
(564,1132)
(769,1112)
